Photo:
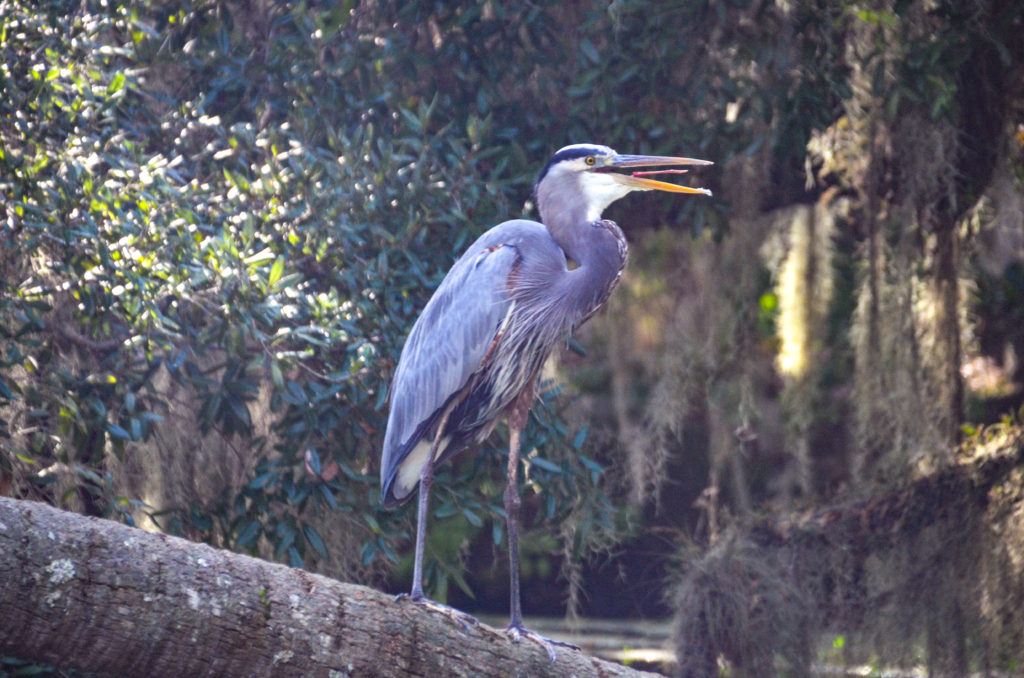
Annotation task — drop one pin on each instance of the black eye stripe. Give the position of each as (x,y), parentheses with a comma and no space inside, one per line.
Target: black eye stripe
(572,153)
(568,154)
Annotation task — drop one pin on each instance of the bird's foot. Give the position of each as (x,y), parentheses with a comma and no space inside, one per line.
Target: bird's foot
(517,632)
(466,621)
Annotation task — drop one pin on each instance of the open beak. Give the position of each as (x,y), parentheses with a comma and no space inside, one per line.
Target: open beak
(637,180)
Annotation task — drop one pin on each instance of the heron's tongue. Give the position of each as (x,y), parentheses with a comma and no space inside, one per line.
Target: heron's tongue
(661,171)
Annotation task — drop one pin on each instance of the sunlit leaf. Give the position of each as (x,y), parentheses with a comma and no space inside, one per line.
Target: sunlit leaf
(276,271)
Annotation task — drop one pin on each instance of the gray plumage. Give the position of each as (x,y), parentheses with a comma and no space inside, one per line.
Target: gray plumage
(474,354)
(515,275)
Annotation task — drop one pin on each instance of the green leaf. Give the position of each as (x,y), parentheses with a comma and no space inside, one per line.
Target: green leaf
(118,432)
(382,398)
(285,533)
(5,391)
(313,459)
(590,51)
(240,410)
(369,552)
(497,531)
(543,463)
(328,496)
(315,540)
(446,510)
(260,481)
(473,518)
(295,558)
(275,373)
(259,258)
(372,522)
(247,537)
(116,84)
(576,347)
(580,438)
(591,464)
(276,271)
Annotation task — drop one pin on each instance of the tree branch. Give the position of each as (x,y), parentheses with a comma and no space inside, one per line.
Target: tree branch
(102,597)
(85,342)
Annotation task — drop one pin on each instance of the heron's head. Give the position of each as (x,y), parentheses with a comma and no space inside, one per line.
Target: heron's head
(588,178)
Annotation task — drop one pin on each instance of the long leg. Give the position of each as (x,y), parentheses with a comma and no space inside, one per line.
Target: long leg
(517,417)
(422,509)
(423,506)
(512,504)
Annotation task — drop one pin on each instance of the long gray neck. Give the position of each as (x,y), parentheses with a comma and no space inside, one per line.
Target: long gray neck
(598,247)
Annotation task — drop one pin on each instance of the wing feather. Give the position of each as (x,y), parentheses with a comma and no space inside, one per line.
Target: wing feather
(446,346)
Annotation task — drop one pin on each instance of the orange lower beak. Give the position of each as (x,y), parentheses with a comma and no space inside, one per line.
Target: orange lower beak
(638,182)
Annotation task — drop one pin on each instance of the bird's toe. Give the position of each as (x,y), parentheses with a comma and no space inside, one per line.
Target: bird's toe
(516,633)
(466,621)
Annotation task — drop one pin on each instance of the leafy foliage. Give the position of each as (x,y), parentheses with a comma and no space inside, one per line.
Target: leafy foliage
(225,221)
(220,220)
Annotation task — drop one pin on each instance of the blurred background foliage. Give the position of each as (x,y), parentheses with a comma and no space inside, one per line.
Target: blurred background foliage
(221,218)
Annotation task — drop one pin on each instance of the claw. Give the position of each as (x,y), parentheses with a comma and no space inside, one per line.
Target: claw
(466,621)
(518,632)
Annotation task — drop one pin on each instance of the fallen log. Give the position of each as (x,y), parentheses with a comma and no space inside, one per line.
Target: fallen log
(102,597)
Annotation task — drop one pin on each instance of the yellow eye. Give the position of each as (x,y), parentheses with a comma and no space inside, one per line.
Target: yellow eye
(590,160)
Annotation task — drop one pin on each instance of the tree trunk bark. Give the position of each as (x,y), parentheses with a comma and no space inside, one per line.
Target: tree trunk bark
(102,597)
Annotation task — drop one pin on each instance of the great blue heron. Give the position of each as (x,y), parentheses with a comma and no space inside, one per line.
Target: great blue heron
(475,351)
